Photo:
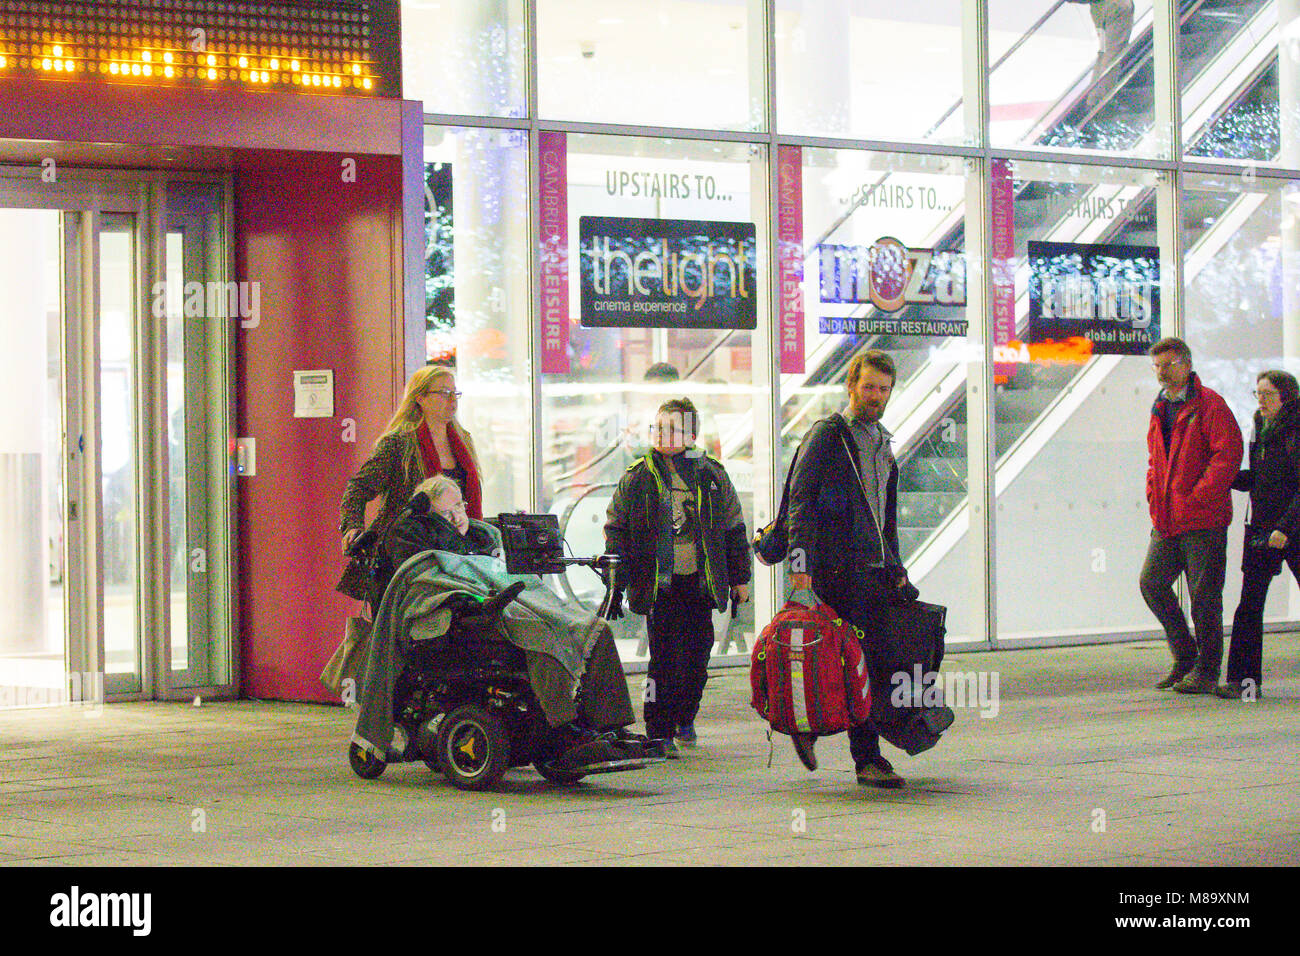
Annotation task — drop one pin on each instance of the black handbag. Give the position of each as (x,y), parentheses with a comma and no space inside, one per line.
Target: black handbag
(771,543)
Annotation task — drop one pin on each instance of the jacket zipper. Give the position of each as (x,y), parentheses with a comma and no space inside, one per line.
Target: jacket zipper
(659,486)
(704,545)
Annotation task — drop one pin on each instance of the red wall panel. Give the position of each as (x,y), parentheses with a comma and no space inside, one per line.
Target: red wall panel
(327,255)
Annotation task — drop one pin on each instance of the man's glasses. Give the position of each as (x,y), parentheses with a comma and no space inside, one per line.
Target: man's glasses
(445,392)
(1161,366)
(1266,393)
(458,508)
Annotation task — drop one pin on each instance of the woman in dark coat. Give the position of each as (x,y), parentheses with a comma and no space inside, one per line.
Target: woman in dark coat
(1273,528)
(423,439)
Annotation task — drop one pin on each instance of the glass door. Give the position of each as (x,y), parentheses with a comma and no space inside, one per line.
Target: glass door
(35,579)
(117,340)
(115,479)
(197,309)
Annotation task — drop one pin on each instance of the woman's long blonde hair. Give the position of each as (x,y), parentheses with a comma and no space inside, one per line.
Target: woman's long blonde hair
(409,414)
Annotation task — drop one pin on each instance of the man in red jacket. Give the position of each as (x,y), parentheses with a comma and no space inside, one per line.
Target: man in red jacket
(1194,452)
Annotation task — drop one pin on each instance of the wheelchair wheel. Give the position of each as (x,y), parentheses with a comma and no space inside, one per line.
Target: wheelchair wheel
(473,748)
(564,778)
(365,764)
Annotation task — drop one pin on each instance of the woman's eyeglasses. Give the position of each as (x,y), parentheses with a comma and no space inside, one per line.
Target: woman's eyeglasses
(445,392)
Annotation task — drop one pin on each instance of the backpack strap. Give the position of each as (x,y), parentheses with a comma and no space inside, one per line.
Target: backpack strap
(784,507)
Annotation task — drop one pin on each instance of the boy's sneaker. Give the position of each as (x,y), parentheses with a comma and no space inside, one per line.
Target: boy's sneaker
(670,749)
(1197,683)
(879,773)
(1180,670)
(803,749)
(1238,690)
(686,734)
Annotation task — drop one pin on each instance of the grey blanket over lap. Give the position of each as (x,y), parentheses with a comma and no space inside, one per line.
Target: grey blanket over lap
(412,611)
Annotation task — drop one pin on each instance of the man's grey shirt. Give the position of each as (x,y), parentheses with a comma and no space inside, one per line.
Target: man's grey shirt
(875,462)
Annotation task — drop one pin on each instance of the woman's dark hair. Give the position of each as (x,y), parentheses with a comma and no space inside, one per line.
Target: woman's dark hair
(1287,387)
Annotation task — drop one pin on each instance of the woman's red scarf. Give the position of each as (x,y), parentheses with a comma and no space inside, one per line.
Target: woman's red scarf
(433,465)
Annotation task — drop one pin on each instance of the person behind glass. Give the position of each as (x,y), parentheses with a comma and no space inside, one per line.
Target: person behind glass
(423,439)
(1194,453)
(1273,528)
(842,525)
(676,522)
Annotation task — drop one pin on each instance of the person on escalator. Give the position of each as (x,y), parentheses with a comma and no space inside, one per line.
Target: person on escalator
(676,522)
(1114,22)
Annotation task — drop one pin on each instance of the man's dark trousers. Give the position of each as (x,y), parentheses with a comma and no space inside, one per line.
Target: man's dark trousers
(1259,566)
(680,632)
(867,610)
(1203,556)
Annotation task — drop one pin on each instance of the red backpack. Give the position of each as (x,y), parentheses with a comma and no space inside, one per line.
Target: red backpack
(808,674)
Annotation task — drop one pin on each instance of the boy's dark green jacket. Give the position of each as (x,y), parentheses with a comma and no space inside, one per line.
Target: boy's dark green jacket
(638,528)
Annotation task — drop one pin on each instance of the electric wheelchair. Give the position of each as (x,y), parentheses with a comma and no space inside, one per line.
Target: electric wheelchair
(464,703)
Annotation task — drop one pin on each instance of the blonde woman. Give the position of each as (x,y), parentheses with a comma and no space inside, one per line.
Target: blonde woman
(422,440)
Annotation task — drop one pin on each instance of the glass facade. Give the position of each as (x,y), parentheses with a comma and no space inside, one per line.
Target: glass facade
(938,181)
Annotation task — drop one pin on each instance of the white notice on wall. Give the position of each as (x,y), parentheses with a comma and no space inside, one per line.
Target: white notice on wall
(313,393)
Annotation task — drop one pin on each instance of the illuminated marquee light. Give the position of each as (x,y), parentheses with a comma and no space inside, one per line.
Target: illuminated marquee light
(330,46)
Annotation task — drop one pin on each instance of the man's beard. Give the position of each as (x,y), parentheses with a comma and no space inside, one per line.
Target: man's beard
(868,412)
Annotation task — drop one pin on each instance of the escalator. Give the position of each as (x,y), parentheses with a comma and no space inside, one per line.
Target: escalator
(1232,40)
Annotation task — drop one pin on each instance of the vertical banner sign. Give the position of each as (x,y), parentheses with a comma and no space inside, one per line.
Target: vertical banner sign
(552,168)
(1004,265)
(790,257)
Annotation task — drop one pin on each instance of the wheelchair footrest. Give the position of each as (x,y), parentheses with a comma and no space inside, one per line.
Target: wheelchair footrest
(623,763)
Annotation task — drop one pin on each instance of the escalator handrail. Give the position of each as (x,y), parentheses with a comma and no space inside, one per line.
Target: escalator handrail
(1002,59)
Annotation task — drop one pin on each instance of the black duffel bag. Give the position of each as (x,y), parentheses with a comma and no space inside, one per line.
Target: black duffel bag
(908,710)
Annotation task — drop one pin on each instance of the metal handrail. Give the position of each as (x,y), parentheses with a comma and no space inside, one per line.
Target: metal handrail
(1002,59)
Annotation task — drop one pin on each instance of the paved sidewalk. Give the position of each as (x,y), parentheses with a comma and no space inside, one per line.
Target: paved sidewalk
(1079,741)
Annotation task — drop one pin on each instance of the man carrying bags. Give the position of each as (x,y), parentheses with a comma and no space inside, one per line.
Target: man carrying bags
(843,535)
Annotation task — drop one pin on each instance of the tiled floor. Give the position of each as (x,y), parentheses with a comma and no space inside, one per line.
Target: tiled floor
(1083,764)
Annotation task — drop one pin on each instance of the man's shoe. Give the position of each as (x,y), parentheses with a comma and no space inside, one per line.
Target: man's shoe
(879,773)
(803,749)
(1197,683)
(1238,690)
(589,755)
(1180,671)
(686,734)
(635,745)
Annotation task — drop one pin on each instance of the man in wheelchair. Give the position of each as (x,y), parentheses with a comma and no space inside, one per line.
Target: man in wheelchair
(563,659)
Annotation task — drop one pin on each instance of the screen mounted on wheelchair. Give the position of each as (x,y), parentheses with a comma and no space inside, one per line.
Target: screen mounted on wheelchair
(532,543)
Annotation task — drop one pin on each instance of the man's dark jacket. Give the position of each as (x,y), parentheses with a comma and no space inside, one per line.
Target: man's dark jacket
(414,533)
(830,525)
(1273,478)
(636,520)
